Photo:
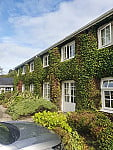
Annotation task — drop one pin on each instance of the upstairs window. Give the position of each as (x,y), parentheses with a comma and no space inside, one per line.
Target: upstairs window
(105,37)
(24,70)
(45,61)
(31,66)
(68,51)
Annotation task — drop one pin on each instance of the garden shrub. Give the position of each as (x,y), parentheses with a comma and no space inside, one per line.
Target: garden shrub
(95,127)
(24,104)
(58,122)
(2,97)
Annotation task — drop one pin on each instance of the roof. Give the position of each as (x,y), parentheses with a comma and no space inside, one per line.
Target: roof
(90,24)
(6,81)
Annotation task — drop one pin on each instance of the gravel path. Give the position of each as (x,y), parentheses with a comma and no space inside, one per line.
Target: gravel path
(5,117)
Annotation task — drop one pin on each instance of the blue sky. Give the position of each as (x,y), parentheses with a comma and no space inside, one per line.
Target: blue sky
(30,26)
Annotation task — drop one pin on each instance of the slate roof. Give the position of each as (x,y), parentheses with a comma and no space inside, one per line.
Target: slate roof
(6,81)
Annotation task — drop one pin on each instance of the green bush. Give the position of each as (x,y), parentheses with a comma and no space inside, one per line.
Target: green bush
(95,127)
(58,122)
(2,97)
(24,104)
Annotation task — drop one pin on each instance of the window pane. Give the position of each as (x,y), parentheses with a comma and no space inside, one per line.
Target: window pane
(107,94)
(67,52)
(110,83)
(46,89)
(105,83)
(111,104)
(66,92)
(107,103)
(111,94)
(72,50)
(72,92)
(107,34)
(64,52)
(103,37)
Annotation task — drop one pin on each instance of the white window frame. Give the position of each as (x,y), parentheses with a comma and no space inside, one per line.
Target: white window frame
(32,66)
(65,96)
(46,60)
(46,90)
(8,89)
(66,51)
(100,36)
(23,69)
(18,71)
(31,87)
(106,89)
(23,87)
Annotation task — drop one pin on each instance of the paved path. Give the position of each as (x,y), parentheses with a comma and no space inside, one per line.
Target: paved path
(5,117)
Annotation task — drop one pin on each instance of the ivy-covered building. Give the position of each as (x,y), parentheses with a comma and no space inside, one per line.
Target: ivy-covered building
(76,72)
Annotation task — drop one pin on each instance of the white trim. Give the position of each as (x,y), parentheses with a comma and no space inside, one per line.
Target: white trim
(103,89)
(23,87)
(5,86)
(99,36)
(23,69)
(32,66)
(67,105)
(46,94)
(66,50)
(31,88)
(45,61)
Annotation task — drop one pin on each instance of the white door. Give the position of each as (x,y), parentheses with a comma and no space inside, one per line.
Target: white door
(68,96)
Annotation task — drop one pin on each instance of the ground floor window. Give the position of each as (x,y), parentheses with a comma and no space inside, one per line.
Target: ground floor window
(46,90)
(23,87)
(31,87)
(8,89)
(107,93)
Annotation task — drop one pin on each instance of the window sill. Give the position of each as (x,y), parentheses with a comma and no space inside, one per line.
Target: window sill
(107,110)
(100,47)
(45,66)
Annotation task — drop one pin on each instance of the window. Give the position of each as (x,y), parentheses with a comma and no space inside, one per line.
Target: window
(31,66)
(69,91)
(46,90)
(23,87)
(107,93)
(24,70)
(105,36)
(68,51)
(8,89)
(45,60)
(31,87)
(18,71)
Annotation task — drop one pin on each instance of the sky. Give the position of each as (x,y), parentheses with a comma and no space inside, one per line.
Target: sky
(28,27)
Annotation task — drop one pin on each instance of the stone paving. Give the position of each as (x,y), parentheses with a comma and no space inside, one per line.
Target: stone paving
(5,117)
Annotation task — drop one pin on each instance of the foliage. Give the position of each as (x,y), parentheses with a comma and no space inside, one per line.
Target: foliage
(4,97)
(86,69)
(58,122)
(24,104)
(95,126)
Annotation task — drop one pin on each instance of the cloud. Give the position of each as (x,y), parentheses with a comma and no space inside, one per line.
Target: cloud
(42,31)
(12,54)
(36,27)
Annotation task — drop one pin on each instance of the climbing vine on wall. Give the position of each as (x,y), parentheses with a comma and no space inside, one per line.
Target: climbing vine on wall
(86,69)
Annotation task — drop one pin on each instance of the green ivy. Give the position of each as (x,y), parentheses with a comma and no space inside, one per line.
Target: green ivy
(86,69)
